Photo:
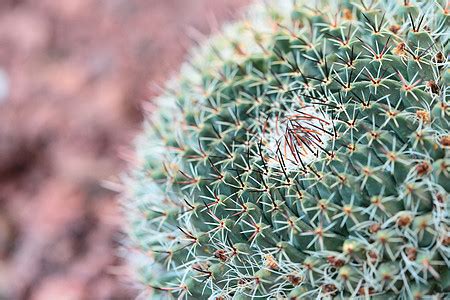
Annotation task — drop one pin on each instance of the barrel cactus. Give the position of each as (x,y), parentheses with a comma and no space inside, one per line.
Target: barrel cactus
(301,153)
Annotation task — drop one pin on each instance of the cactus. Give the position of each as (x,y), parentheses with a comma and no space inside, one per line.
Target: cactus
(302,153)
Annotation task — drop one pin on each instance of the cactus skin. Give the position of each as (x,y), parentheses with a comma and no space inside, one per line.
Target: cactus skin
(349,200)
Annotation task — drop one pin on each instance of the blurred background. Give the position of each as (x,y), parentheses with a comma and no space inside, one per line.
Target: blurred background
(74,75)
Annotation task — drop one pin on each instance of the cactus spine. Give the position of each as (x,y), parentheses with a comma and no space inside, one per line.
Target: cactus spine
(303,153)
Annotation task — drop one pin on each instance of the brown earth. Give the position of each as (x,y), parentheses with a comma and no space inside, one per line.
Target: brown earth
(73,77)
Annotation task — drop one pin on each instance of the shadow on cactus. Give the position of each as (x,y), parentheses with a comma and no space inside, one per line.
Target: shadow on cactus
(303,153)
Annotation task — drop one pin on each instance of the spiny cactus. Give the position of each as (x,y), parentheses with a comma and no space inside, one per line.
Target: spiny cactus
(303,153)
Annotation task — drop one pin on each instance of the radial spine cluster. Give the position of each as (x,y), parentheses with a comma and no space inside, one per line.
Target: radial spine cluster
(301,153)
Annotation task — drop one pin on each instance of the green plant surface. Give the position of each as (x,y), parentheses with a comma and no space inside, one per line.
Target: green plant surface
(301,153)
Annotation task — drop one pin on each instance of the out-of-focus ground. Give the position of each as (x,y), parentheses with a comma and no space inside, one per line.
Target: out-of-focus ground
(73,77)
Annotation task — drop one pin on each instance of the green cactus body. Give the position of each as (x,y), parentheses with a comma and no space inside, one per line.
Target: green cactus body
(302,154)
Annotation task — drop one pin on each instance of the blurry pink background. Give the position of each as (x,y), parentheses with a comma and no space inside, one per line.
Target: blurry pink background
(73,77)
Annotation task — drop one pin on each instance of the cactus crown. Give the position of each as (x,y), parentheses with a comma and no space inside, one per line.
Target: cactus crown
(302,153)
